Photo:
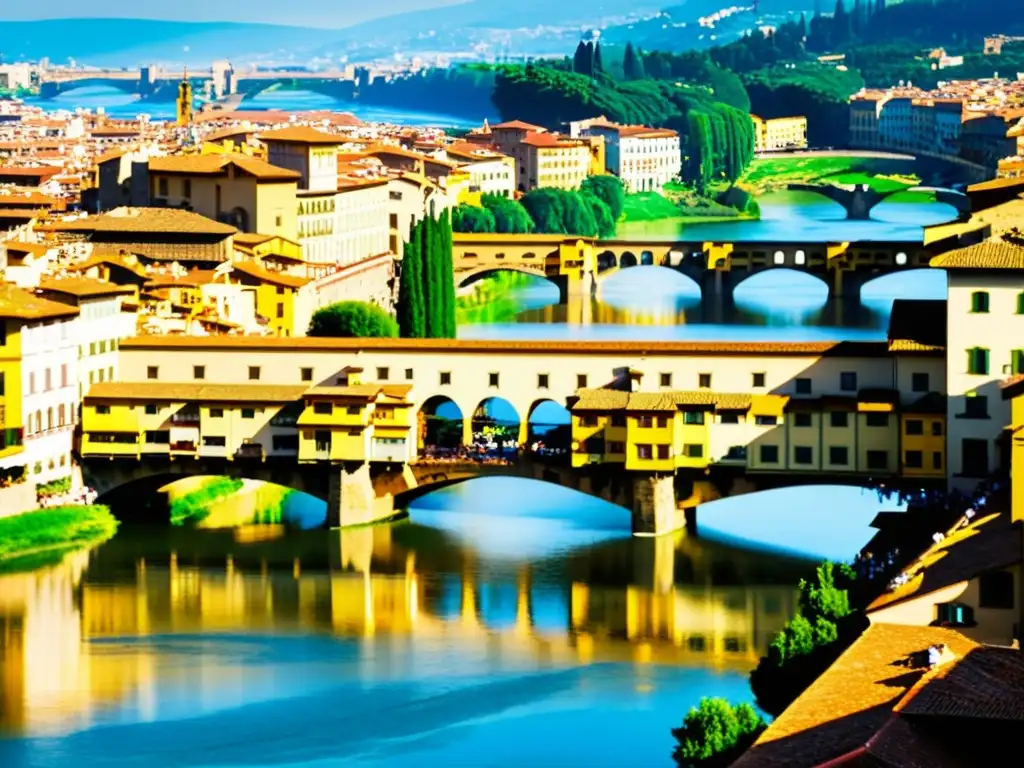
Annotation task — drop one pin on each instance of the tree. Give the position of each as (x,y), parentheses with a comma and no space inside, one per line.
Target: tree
(448,277)
(700,165)
(715,733)
(471,218)
(433,294)
(353,319)
(583,59)
(608,189)
(598,63)
(602,213)
(632,64)
(510,217)
(411,310)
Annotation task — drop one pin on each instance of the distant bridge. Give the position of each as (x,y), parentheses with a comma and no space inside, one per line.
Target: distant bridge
(859,199)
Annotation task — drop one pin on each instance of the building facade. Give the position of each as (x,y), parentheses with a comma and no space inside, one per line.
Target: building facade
(779,134)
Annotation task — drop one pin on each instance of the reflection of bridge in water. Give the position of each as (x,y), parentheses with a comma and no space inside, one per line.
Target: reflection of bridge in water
(373,586)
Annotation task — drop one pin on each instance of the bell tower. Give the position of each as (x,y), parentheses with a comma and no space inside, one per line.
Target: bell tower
(184,101)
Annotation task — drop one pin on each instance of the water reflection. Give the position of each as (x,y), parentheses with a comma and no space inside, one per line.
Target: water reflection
(156,626)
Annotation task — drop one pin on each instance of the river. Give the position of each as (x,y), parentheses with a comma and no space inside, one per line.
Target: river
(507,622)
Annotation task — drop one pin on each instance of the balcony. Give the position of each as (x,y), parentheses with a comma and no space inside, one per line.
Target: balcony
(249,451)
(183,447)
(185,418)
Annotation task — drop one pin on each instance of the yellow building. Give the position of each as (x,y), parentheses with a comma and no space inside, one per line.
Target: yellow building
(278,296)
(353,421)
(923,437)
(548,160)
(779,133)
(246,192)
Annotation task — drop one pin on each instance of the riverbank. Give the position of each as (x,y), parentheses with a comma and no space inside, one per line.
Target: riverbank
(32,539)
(768,173)
(492,300)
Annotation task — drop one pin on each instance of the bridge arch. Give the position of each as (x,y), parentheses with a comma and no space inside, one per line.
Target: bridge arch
(740,277)
(549,423)
(628,259)
(894,284)
(440,424)
(472,276)
(606,260)
(497,425)
(647,258)
(51,90)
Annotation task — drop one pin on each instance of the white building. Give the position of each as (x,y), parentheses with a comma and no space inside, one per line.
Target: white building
(49,387)
(644,158)
(361,221)
(985,345)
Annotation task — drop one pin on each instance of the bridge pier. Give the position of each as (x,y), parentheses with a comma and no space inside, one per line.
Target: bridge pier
(573,286)
(655,511)
(846,284)
(716,295)
(351,498)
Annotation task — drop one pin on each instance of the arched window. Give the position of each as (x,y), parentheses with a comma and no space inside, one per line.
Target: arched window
(49,418)
(39,421)
(60,415)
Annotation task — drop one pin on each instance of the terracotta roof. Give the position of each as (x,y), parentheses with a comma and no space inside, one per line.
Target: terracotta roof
(31,171)
(517,125)
(988,543)
(988,682)
(633,349)
(367,391)
(34,249)
(22,305)
(991,254)
(84,287)
(147,220)
(600,400)
(643,132)
(192,278)
(302,135)
(844,708)
(917,325)
(542,140)
(257,272)
(613,399)
(216,165)
(188,392)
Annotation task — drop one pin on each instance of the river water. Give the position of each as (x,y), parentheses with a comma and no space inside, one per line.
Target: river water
(505,622)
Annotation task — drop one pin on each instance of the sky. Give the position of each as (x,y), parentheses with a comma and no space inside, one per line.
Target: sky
(319,13)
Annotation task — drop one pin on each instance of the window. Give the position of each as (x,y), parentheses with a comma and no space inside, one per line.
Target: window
(979,301)
(644,422)
(542,381)
(936,459)
(588,420)
(162,187)
(758,380)
(975,457)
(729,418)
(766,421)
(616,447)
(919,382)
(353,410)
(64,374)
(383,374)
(158,437)
(838,455)
(214,441)
(2,385)
(492,379)
(198,371)
(848,381)
(280,310)
(581,381)
(954,615)
(48,379)
(1020,304)
(186,187)
(285,442)
(618,419)
(661,421)
(769,454)
(152,410)
(914,427)
(977,361)
(913,459)
(323,440)
(643,452)
(693,417)
(704,381)
(802,420)
(803,454)
(216,413)
(254,373)
(152,371)
(101,410)
(1017,361)
(995,590)
(976,407)
(878,459)
(693,451)
(408,374)
(446,378)
(663,452)
(803,386)
(248,413)
(666,379)
(876,419)
(324,409)
(306,374)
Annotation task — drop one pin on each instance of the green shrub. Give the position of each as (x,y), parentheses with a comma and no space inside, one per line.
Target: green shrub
(58,528)
(353,319)
(715,733)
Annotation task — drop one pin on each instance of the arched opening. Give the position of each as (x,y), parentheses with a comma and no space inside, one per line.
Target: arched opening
(647,259)
(505,276)
(628,260)
(496,429)
(781,294)
(606,260)
(238,218)
(439,427)
(878,293)
(549,430)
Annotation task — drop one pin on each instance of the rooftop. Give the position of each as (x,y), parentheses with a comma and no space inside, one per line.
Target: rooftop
(84,287)
(22,305)
(917,325)
(990,254)
(302,135)
(217,165)
(189,392)
(147,220)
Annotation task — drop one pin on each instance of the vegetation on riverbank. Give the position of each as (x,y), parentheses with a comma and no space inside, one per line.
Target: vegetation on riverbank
(38,538)
(492,299)
(715,733)
(194,504)
(824,627)
(768,173)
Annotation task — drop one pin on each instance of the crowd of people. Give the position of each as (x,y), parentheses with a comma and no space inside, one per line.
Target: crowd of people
(74,496)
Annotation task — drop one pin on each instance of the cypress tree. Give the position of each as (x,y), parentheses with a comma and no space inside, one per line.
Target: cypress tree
(433,295)
(598,64)
(411,320)
(448,276)
(632,64)
(579,58)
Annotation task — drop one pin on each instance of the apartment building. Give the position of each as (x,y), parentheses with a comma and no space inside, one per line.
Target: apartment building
(644,158)
(779,134)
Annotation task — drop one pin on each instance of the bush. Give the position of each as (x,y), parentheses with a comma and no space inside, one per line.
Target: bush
(510,217)
(353,319)
(810,641)
(609,190)
(715,733)
(58,528)
(470,218)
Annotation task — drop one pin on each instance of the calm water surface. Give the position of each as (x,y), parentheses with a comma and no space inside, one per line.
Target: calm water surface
(501,608)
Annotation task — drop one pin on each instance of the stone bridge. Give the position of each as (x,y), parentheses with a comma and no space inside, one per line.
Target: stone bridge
(859,199)
(578,265)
